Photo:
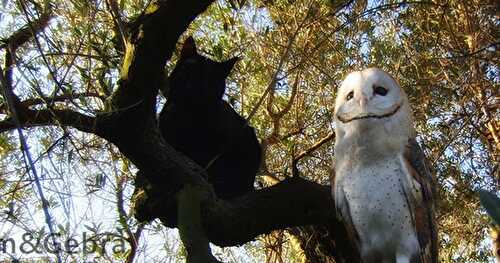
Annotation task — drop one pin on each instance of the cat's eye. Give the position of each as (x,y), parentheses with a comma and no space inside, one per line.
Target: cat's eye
(379,90)
(350,95)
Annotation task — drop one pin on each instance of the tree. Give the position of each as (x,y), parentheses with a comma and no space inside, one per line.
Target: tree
(105,62)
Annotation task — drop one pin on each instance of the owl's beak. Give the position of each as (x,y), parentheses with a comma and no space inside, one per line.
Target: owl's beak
(363,101)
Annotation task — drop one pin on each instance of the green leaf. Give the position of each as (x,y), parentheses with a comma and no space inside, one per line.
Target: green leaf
(491,203)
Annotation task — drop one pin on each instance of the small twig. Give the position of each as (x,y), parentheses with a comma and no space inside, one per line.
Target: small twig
(117,20)
(314,147)
(288,106)
(274,78)
(60,98)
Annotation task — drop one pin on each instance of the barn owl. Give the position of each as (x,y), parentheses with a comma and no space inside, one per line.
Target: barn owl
(381,186)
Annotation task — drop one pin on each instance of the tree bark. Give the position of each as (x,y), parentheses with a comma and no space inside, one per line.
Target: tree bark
(237,221)
(190,229)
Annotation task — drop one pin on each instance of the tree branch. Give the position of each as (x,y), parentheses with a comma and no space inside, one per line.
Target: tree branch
(295,161)
(149,46)
(235,222)
(27,117)
(190,228)
(60,98)
(238,221)
(34,118)
(277,207)
(23,35)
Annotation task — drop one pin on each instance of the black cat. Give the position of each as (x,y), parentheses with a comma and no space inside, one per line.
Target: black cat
(199,123)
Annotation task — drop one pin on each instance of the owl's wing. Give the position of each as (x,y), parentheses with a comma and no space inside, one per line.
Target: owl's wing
(343,211)
(422,191)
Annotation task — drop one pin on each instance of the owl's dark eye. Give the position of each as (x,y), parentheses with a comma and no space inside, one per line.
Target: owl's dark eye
(380,90)
(350,95)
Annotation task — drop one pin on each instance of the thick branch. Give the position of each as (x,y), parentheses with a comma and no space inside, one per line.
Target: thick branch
(235,222)
(132,124)
(150,45)
(33,118)
(190,228)
(276,207)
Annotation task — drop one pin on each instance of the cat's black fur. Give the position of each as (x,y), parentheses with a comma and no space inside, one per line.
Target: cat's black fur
(199,123)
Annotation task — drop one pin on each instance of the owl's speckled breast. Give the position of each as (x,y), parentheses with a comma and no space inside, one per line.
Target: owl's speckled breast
(377,204)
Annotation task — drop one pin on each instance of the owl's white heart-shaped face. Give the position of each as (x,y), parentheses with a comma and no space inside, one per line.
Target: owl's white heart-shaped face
(368,94)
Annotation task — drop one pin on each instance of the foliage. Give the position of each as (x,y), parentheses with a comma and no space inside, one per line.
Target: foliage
(294,54)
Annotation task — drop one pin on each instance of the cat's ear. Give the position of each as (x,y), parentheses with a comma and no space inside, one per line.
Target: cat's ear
(188,48)
(228,65)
